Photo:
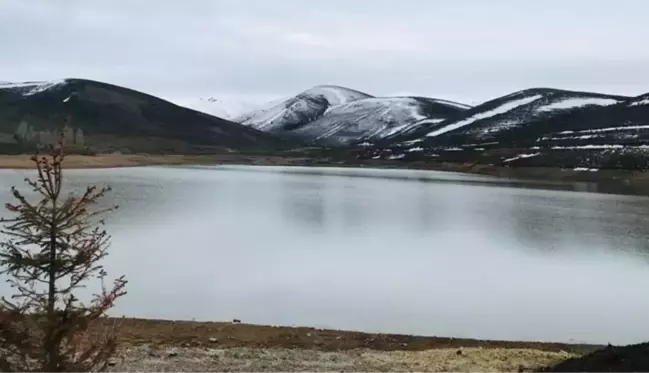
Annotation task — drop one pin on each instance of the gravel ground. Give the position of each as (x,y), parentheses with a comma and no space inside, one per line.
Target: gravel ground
(149,358)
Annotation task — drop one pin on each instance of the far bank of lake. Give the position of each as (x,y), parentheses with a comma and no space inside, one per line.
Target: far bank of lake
(604,180)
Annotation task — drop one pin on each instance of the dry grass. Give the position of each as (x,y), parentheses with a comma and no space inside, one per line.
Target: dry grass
(133,160)
(205,334)
(146,358)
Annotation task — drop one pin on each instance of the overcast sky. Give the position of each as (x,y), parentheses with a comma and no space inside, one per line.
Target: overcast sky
(257,50)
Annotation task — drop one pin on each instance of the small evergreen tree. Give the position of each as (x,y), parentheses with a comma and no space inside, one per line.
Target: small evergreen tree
(52,249)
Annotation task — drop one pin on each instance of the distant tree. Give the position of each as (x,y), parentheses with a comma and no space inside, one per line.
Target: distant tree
(52,249)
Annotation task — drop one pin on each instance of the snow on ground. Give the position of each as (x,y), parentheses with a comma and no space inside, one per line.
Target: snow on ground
(576,102)
(221,107)
(431,121)
(487,114)
(522,156)
(608,129)
(582,169)
(641,102)
(31,88)
(275,114)
(371,117)
(397,156)
(417,149)
(600,147)
(336,95)
(411,142)
(452,103)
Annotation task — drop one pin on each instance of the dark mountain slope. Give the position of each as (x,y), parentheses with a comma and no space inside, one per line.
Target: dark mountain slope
(516,117)
(539,127)
(110,115)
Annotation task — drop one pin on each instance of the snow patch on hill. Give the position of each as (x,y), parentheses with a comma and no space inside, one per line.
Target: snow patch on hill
(222,108)
(641,102)
(432,121)
(577,102)
(486,114)
(308,105)
(452,103)
(367,118)
(31,88)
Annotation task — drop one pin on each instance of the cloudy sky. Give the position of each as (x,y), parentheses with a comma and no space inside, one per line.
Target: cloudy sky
(258,50)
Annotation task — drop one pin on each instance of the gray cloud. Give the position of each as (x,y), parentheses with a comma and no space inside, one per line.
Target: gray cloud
(467,50)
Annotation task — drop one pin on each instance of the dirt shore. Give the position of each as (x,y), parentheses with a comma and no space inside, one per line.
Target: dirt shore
(160,345)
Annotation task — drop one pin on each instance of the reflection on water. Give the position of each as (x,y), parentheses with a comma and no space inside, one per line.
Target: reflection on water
(379,250)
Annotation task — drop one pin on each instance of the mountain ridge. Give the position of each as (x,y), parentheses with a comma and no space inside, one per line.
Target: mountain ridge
(122,114)
(330,114)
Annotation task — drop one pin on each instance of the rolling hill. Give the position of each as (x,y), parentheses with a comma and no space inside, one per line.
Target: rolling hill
(333,115)
(108,117)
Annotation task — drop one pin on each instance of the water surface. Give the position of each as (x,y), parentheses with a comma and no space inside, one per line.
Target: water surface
(397,251)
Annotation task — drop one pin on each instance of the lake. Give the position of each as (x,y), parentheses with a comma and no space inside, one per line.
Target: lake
(417,252)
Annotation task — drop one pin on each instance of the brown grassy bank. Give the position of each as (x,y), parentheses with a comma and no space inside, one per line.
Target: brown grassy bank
(161,345)
(196,334)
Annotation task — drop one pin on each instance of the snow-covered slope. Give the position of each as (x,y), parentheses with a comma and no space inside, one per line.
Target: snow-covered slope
(642,100)
(337,115)
(377,118)
(31,88)
(522,108)
(538,127)
(508,116)
(222,108)
(299,110)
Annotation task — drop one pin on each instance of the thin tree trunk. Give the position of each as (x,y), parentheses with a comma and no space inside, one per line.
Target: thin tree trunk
(51,346)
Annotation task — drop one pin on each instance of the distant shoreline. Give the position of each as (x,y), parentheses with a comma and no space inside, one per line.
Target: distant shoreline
(634,180)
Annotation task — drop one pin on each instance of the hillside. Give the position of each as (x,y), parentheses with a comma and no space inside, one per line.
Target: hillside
(372,119)
(537,127)
(106,117)
(531,108)
(333,115)
(294,112)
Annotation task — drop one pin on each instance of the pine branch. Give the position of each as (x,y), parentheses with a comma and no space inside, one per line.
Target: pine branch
(54,247)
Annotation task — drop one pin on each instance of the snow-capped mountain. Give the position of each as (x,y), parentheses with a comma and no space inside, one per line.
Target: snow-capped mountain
(219,107)
(506,116)
(338,115)
(377,118)
(537,127)
(296,111)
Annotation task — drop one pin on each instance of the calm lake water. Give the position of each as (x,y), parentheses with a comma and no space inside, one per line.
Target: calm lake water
(398,251)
